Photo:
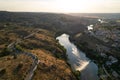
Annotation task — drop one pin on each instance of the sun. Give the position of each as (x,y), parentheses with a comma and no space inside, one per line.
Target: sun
(74,5)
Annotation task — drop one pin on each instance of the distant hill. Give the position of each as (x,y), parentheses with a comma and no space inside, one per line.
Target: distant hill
(98,15)
(49,21)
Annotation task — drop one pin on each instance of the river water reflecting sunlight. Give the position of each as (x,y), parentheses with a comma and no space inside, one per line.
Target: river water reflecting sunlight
(78,60)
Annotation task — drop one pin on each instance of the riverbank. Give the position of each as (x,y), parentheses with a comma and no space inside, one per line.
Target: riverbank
(88,45)
(52,57)
(75,72)
(78,60)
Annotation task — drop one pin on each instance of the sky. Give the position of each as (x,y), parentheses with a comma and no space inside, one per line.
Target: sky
(61,6)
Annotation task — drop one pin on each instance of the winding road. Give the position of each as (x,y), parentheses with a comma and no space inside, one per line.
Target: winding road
(107,72)
(30,74)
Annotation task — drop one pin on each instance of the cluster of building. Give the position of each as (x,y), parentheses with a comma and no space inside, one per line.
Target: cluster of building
(109,34)
(105,32)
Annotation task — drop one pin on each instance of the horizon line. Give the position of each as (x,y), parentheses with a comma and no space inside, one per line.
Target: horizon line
(60,12)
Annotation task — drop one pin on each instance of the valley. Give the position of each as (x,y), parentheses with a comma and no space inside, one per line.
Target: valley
(34,34)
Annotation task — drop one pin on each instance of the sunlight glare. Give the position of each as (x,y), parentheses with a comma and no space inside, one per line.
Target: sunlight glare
(75,5)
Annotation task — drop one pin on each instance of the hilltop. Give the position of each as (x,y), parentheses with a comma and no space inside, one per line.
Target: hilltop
(16,63)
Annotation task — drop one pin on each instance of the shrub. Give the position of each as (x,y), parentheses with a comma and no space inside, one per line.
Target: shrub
(2,72)
(18,47)
(5,52)
(58,55)
(77,74)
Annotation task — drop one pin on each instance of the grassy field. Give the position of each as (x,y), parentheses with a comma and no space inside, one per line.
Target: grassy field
(51,54)
(14,69)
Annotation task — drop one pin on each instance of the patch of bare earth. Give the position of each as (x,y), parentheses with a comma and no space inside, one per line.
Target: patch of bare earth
(14,69)
(51,68)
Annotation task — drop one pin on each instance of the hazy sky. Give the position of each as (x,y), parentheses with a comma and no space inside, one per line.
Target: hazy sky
(66,6)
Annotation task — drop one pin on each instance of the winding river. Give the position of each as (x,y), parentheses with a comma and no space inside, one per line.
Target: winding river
(78,60)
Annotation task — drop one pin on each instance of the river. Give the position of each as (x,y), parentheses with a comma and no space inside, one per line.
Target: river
(78,60)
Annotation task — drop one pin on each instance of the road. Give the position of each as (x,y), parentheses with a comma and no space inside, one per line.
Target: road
(30,74)
(107,72)
(33,67)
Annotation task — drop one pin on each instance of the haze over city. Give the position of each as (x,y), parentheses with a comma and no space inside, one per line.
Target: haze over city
(61,6)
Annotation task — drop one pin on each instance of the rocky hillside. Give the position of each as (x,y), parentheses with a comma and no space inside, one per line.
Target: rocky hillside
(17,63)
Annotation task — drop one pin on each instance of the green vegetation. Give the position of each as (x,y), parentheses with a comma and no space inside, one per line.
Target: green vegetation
(19,48)
(58,55)
(100,71)
(5,52)
(77,74)
(2,72)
